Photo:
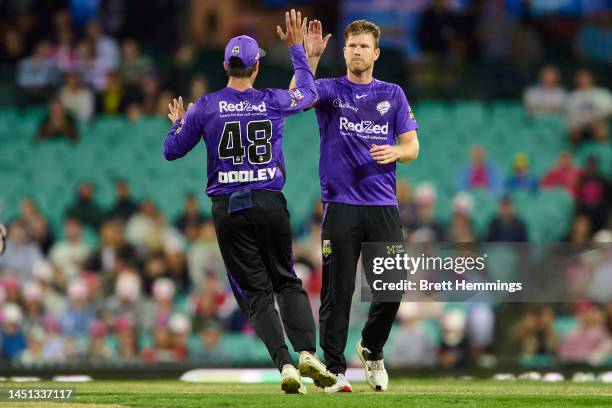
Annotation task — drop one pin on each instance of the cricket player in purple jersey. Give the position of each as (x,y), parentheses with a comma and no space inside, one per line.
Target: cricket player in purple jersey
(366,126)
(243,129)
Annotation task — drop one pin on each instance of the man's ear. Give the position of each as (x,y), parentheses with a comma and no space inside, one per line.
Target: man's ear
(225,65)
(376,54)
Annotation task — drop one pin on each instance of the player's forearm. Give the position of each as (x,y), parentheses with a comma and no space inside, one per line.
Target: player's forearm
(313,62)
(303,77)
(409,151)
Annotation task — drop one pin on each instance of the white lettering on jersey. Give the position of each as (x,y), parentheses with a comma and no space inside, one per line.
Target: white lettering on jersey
(243,106)
(246,176)
(364,127)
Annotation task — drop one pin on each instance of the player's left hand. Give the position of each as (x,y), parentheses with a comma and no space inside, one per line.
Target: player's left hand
(385,154)
(177,111)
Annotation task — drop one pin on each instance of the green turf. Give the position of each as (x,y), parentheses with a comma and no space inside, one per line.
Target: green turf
(402,393)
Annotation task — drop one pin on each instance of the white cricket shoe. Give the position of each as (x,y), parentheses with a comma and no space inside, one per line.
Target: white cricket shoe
(375,372)
(341,385)
(310,366)
(291,381)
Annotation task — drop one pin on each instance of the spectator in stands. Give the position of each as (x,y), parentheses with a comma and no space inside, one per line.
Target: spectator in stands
(92,70)
(21,254)
(134,66)
(437,30)
(520,179)
(33,306)
(76,319)
(177,265)
(58,124)
(13,48)
(85,209)
(563,175)
(405,201)
(165,99)
(480,174)
(210,343)
(590,341)
(180,329)
(150,92)
(198,88)
(126,300)
(37,74)
(588,107)
(496,31)
(112,100)
(114,252)
(41,234)
(594,41)
(454,348)
(36,225)
(127,347)
(425,199)
(204,255)
(506,226)
(460,229)
(548,96)
(34,353)
(52,300)
(206,302)
(191,216)
(78,100)
(69,255)
(183,68)
(536,333)
(594,194)
(12,337)
(99,351)
(581,230)
(55,349)
(158,310)
(106,47)
(412,346)
(64,53)
(155,268)
(142,230)
(124,206)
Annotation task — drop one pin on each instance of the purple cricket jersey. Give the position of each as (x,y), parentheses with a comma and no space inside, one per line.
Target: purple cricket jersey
(243,132)
(353,117)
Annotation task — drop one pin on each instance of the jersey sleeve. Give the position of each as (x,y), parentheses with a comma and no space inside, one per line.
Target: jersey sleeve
(404,118)
(304,94)
(185,134)
(324,90)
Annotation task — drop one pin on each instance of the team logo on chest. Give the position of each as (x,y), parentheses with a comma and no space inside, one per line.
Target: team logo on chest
(383,107)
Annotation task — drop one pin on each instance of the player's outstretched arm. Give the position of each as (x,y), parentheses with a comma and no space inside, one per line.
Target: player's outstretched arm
(407,150)
(304,94)
(315,44)
(185,132)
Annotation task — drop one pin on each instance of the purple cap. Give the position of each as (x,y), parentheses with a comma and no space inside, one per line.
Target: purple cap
(244,48)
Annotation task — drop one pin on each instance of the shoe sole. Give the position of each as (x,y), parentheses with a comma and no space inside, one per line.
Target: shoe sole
(291,386)
(359,351)
(321,379)
(346,388)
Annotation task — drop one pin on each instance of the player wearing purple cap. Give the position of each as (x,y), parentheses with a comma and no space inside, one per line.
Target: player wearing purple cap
(366,126)
(243,128)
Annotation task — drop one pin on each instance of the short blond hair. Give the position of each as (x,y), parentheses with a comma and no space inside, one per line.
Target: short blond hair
(360,27)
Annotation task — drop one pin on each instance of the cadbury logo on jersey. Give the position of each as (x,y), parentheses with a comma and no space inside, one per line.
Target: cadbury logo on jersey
(365,126)
(243,106)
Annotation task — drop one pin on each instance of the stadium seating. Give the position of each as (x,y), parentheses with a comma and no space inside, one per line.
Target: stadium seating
(111,148)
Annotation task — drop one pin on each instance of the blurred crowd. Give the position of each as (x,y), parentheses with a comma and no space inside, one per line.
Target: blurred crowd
(125,284)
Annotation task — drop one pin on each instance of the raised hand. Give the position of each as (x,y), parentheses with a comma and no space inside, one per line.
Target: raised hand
(295,28)
(314,43)
(177,111)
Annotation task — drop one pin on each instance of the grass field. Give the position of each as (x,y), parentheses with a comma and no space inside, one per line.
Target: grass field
(402,393)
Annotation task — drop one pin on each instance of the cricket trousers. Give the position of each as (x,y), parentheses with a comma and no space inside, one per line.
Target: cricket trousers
(345,227)
(255,245)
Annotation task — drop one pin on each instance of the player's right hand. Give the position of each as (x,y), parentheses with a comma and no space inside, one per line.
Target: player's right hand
(177,111)
(296,28)
(314,43)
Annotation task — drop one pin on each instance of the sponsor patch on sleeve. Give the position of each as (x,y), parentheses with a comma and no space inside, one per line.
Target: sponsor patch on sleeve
(296,93)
